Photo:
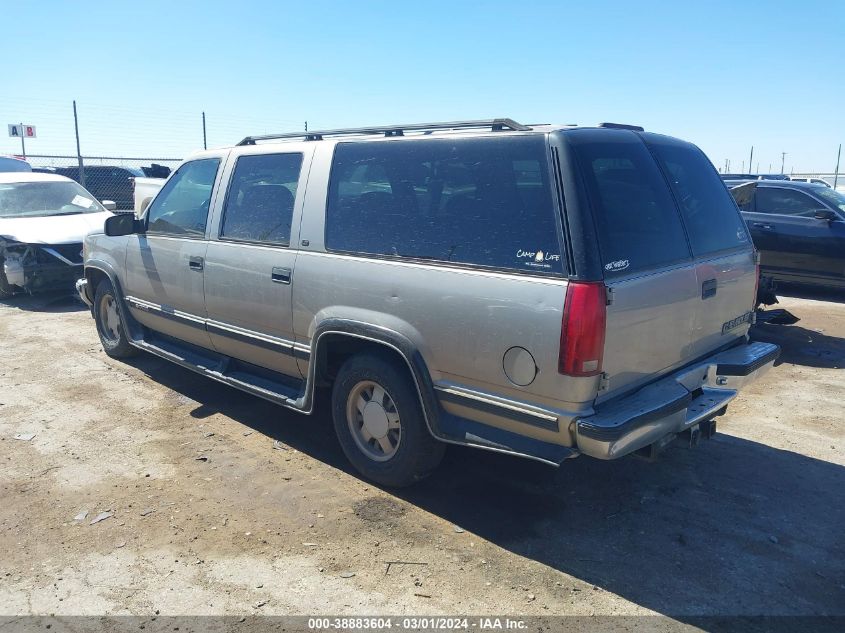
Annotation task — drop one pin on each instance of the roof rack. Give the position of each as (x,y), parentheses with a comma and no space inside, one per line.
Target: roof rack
(497,125)
(622,126)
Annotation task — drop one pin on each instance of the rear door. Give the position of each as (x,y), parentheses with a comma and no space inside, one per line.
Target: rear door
(250,259)
(647,263)
(726,273)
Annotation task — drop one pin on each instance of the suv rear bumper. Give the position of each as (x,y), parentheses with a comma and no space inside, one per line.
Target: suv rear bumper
(673,404)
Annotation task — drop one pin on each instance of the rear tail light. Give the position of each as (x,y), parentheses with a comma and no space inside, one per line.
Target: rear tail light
(582,329)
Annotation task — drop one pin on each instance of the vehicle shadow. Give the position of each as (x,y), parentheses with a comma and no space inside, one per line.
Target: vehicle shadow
(56,302)
(734,527)
(801,346)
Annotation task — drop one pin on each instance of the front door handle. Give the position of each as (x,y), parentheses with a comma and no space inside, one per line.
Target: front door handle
(281,275)
(708,288)
(195,263)
(763,225)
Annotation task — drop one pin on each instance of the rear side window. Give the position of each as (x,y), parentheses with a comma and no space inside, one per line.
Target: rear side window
(259,204)
(708,210)
(636,220)
(482,201)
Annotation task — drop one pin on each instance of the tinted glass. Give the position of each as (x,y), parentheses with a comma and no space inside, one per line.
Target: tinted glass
(482,201)
(708,210)
(834,198)
(637,223)
(786,202)
(259,205)
(181,207)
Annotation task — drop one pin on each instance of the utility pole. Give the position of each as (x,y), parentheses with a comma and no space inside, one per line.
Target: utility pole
(78,152)
(23,143)
(306,126)
(204,141)
(742,171)
(782,159)
(836,173)
(751,158)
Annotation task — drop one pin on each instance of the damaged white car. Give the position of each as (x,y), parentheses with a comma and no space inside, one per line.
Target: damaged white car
(43,220)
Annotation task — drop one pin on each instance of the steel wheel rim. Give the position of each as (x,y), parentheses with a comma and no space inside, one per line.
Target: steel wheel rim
(109,319)
(373,421)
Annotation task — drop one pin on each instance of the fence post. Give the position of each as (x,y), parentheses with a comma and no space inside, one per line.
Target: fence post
(78,153)
(836,174)
(204,142)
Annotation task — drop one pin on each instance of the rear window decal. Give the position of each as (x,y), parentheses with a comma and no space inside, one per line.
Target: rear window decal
(619,264)
(538,258)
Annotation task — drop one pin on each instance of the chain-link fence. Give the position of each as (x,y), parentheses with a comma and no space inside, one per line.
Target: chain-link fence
(106,177)
(112,141)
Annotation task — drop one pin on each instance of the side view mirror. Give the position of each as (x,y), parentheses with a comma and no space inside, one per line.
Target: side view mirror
(122,224)
(825,214)
(109,205)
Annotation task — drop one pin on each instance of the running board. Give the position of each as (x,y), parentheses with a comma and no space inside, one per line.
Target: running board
(257,381)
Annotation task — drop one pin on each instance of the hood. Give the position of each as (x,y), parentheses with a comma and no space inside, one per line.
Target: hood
(57,229)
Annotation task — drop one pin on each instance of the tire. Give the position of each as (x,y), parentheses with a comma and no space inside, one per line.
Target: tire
(109,320)
(400,450)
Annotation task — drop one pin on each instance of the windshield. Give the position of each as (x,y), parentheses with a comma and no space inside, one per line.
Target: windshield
(32,199)
(836,198)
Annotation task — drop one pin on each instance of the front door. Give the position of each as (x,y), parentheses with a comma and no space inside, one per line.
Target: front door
(795,243)
(165,265)
(250,259)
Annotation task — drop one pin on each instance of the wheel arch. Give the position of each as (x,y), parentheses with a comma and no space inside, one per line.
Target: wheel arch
(337,339)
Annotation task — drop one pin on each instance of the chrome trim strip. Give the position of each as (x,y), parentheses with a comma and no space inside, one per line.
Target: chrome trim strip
(540,418)
(224,329)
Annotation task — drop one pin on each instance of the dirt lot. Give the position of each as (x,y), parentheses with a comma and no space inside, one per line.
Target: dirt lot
(752,522)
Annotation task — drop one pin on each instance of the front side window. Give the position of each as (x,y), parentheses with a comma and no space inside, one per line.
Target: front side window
(786,202)
(707,209)
(482,201)
(259,205)
(636,220)
(181,207)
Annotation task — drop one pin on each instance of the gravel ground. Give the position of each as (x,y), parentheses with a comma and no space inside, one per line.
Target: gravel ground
(220,503)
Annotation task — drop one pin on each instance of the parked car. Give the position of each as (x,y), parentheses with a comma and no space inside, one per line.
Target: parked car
(542,292)
(815,181)
(13,163)
(106,182)
(754,177)
(43,219)
(798,228)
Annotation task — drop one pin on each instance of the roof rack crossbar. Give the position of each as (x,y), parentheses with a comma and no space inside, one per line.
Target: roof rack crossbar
(496,125)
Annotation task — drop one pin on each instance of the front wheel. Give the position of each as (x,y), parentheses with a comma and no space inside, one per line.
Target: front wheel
(109,322)
(379,422)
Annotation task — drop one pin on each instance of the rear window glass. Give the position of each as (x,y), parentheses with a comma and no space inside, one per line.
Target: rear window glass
(637,223)
(708,210)
(483,201)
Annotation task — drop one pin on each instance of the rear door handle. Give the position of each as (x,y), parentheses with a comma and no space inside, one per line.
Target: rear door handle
(763,225)
(195,263)
(281,275)
(708,288)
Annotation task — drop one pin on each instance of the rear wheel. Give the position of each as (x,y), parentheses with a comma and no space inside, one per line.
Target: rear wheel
(110,324)
(379,422)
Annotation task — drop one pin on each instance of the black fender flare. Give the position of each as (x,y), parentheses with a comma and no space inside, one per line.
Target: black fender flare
(388,338)
(135,332)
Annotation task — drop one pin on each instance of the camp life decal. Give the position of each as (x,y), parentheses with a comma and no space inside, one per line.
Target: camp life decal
(537,259)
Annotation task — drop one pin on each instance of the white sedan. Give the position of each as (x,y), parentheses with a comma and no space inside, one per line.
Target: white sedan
(43,220)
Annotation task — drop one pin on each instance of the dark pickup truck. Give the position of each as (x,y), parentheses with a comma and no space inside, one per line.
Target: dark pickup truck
(798,228)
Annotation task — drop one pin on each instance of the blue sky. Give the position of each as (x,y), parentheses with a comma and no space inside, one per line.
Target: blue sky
(725,75)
